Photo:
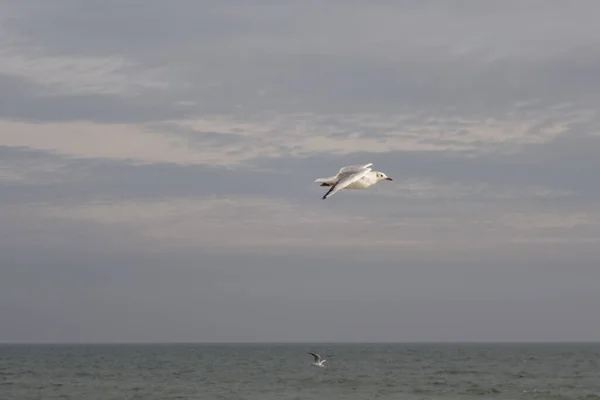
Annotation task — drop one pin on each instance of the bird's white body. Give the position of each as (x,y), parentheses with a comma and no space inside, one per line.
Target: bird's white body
(318,361)
(352,177)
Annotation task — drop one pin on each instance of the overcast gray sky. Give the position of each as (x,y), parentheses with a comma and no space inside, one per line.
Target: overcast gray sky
(157,162)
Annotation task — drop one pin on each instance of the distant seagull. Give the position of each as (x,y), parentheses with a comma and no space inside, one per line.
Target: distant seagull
(318,362)
(352,177)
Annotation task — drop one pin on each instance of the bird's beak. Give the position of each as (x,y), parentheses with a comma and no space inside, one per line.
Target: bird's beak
(388,179)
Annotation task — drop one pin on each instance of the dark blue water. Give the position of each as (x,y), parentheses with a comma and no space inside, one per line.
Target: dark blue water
(265,372)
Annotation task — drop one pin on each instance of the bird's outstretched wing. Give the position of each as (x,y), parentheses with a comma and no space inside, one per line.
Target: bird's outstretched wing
(316,356)
(354,168)
(350,168)
(345,179)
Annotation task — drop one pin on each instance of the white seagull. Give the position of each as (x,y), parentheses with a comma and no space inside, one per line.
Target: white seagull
(318,362)
(352,177)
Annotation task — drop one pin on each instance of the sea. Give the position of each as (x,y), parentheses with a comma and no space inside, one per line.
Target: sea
(283,371)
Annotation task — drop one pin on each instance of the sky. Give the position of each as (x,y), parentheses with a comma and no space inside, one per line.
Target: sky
(157,167)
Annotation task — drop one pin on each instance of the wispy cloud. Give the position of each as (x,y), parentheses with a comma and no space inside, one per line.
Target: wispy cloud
(31,172)
(437,190)
(241,224)
(549,221)
(71,75)
(226,140)
(271,225)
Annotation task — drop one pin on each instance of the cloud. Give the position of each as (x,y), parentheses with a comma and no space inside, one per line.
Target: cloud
(223,59)
(230,140)
(275,225)
(547,221)
(92,141)
(209,223)
(29,172)
(69,75)
(432,189)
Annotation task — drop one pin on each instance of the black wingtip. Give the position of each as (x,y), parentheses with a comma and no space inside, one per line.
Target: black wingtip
(329,191)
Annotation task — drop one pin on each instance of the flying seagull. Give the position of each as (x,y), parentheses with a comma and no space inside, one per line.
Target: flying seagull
(318,362)
(352,177)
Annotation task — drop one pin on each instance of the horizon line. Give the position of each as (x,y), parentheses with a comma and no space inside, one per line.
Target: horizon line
(296,342)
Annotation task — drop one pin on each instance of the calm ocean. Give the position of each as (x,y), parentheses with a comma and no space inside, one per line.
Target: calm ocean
(265,372)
